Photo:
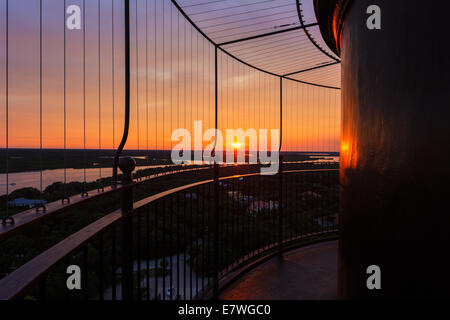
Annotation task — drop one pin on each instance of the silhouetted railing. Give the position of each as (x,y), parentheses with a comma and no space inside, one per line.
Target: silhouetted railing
(191,235)
(177,74)
(177,245)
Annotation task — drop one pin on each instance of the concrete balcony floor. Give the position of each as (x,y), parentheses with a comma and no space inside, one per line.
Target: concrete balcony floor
(306,273)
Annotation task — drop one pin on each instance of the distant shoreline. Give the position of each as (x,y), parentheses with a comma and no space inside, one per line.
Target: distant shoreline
(29,160)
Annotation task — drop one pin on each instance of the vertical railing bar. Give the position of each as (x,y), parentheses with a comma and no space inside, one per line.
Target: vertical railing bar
(100,253)
(203,240)
(322,213)
(287,215)
(280,203)
(178,246)
(216,179)
(156,215)
(238,233)
(113,66)
(243,221)
(65,103)
(239,220)
(66,264)
(190,244)
(138,236)
(147,254)
(233,229)
(241,216)
(321,202)
(226,212)
(245,184)
(256,217)
(290,206)
(197,239)
(185,245)
(266,212)
(295,209)
(250,248)
(260,225)
(40,103)
(284,231)
(229,214)
(100,184)
(267,216)
(308,214)
(327,200)
(127,166)
(260,217)
(208,250)
(216,220)
(253,219)
(253,224)
(113,262)
(300,209)
(269,193)
(84,192)
(249,218)
(221,230)
(164,246)
(85,273)
(171,254)
(7,108)
(269,239)
(136,35)
(295,218)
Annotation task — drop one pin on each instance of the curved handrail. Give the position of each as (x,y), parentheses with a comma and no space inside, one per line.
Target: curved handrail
(302,23)
(150,199)
(18,282)
(31,217)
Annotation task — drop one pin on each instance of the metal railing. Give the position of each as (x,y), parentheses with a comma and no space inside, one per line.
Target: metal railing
(28,218)
(184,243)
(208,82)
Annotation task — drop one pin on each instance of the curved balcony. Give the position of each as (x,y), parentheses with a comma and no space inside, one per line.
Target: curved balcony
(181,230)
(188,242)
(306,273)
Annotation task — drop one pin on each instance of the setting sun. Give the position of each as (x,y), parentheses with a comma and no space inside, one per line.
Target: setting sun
(236,145)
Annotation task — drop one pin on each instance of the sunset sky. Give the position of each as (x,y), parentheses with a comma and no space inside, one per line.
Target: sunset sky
(172,83)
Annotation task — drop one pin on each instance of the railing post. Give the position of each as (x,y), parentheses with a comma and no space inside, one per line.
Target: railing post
(280,207)
(127,91)
(280,177)
(216,187)
(216,232)
(127,166)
